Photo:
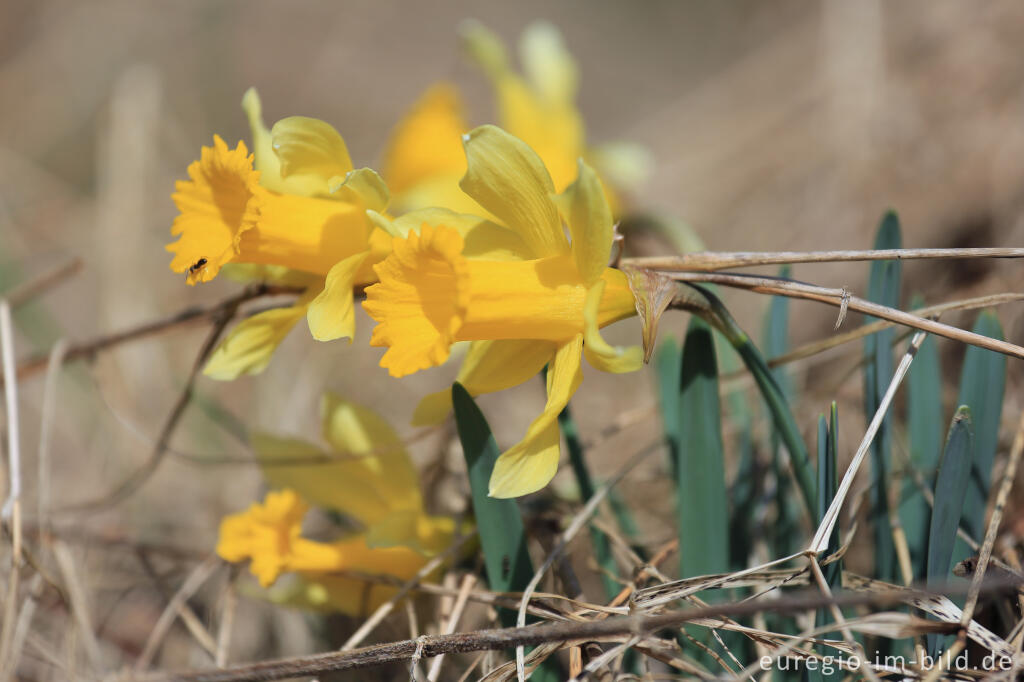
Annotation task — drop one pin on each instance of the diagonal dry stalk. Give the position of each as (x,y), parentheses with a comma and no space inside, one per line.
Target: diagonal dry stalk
(707,261)
(137,478)
(842,298)
(565,631)
(1002,494)
(194,315)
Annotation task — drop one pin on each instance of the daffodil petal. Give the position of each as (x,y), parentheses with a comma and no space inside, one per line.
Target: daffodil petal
(425,534)
(483,239)
(547,63)
(251,344)
(600,353)
(586,210)
(427,143)
(624,164)
(362,185)
(310,149)
(275,274)
(531,464)
(340,482)
(484,47)
(355,430)
(331,314)
(508,179)
(489,366)
(266,161)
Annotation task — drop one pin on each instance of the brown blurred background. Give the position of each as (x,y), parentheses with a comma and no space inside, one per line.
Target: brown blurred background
(783,125)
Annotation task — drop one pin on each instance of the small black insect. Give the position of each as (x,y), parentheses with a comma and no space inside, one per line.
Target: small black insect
(196,267)
(506,566)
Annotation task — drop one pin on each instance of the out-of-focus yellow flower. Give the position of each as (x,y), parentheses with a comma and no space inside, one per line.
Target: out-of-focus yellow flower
(367,477)
(269,535)
(295,205)
(524,294)
(539,107)
(424,161)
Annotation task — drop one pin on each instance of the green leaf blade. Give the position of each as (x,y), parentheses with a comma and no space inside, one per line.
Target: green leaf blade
(499,521)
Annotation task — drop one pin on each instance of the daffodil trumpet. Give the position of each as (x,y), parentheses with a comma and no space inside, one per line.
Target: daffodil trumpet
(293,209)
(524,294)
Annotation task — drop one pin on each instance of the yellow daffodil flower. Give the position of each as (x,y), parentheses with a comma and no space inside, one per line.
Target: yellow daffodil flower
(523,293)
(369,478)
(539,107)
(295,205)
(424,160)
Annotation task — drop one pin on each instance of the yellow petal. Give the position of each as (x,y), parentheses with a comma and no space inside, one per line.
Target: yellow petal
(264,533)
(427,143)
(489,366)
(251,344)
(341,482)
(363,186)
(427,535)
(531,464)
(312,150)
(508,179)
(590,224)
(218,204)
(599,353)
(355,430)
(484,47)
(547,63)
(483,239)
(266,161)
(623,164)
(274,274)
(420,301)
(439,190)
(331,314)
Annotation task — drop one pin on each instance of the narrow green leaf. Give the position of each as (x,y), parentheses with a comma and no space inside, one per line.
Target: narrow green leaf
(827,471)
(785,531)
(951,486)
(883,288)
(602,547)
(746,488)
(982,385)
(924,417)
(500,524)
(701,501)
(770,390)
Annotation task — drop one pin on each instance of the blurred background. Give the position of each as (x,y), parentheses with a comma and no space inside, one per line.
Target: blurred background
(790,125)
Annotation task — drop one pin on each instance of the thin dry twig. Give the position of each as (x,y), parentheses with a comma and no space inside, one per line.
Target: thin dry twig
(820,542)
(227,622)
(816,347)
(387,607)
(1003,493)
(138,477)
(193,582)
(89,349)
(578,522)
(461,600)
(79,604)
(12,505)
(26,291)
(708,261)
(835,297)
(565,631)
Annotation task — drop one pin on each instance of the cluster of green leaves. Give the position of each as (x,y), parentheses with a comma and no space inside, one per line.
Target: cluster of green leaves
(778,495)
